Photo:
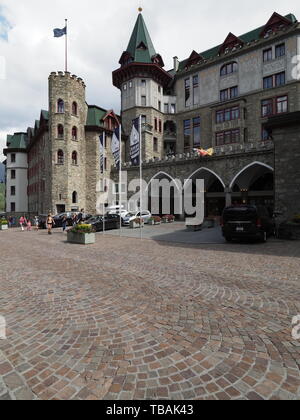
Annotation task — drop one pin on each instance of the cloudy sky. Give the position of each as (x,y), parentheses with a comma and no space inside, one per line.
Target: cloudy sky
(98,33)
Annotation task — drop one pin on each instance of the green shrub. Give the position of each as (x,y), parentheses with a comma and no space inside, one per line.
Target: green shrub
(82,229)
(3,222)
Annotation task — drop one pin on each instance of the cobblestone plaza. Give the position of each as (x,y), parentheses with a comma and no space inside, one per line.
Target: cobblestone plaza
(130,319)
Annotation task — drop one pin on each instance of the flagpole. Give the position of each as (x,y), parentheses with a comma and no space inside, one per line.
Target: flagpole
(120,176)
(66,46)
(141,163)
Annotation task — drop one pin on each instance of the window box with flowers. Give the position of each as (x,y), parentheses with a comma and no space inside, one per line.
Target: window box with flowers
(136,223)
(3,224)
(168,218)
(81,234)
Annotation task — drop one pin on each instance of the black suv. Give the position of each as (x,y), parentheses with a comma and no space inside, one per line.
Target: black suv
(245,221)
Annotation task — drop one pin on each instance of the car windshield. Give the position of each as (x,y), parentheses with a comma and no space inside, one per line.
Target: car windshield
(130,215)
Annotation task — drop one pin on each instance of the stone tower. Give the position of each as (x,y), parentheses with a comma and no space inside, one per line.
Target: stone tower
(142,81)
(67,119)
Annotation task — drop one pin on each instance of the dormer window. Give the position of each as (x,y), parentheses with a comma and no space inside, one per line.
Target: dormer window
(142,47)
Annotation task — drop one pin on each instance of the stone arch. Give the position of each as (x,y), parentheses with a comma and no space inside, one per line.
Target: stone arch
(264,166)
(214,190)
(254,184)
(165,204)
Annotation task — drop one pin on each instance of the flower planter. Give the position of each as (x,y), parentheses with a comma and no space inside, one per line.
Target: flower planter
(134,225)
(157,223)
(81,238)
(3,227)
(151,223)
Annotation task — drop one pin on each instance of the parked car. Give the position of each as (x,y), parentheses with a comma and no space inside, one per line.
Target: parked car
(247,221)
(110,221)
(59,218)
(42,221)
(146,216)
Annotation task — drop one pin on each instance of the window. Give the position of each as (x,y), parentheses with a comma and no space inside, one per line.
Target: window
(229,68)
(144,119)
(187,88)
(281,104)
(159,105)
(196,90)
(60,131)
(12,190)
(187,134)
(143,83)
(13,174)
(267,107)
(227,94)
(60,157)
(280,79)
(60,106)
(74,198)
(74,108)
(125,86)
(274,106)
(12,207)
(268,55)
(105,164)
(280,50)
(196,132)
(166,108)
(266,134)
(155,124)
(274,80)
(160,126)
(143,101)
(155,144)
(74,133)
(13,158)
(228,137)
(74,158)
(159,89)
(173,108)
(130,84)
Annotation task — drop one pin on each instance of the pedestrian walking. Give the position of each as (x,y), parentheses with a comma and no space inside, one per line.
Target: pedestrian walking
(50,223)
(10,220)
(74,219)
(29,226)
(80,217)
(36,223)
(22,222)
(64,223)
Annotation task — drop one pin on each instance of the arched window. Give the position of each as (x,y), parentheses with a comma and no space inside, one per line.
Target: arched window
(74,198)
(74,158)
(60,131)
(60,106)
(74,133)
(74,108)
(229,68)
(60,157)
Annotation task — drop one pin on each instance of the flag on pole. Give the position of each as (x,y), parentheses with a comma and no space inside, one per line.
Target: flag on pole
(60,32)
(116,146)
(202,152)
(102,146)
(135,142)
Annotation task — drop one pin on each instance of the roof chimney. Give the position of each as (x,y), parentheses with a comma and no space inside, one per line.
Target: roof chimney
(176,63)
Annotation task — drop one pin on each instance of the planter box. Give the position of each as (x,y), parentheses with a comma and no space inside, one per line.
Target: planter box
(151,223)
(134,225)
(3,227)
(81,238)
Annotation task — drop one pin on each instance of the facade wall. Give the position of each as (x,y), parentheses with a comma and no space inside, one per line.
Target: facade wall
(68,177)
(20,166)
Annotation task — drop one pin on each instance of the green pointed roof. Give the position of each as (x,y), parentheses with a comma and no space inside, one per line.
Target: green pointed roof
(140,45)
(17,141)
(95,116)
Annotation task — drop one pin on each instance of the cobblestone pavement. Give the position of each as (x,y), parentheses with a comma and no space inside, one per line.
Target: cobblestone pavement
(130,319)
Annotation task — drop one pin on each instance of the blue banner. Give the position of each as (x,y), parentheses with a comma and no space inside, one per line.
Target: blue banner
(102,145)
(60,32)
(115,146)
(135,142)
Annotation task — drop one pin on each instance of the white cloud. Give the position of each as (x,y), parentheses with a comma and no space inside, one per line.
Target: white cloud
(99,32)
